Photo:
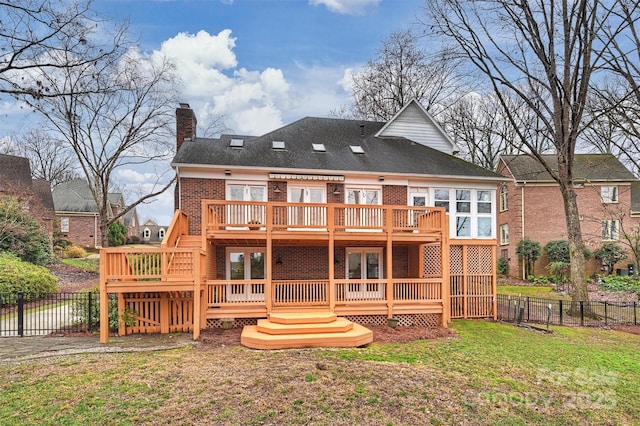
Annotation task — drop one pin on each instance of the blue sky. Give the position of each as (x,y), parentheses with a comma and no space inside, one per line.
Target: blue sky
(258,64)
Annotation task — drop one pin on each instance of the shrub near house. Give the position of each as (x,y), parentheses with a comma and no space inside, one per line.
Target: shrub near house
(16,275)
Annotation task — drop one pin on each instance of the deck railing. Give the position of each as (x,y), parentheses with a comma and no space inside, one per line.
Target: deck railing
(247,215)
(151,264)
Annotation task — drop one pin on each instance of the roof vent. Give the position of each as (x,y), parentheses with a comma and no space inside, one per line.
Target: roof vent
(278,145)
(356,149)
(236,143)
(362,130)
(319,147)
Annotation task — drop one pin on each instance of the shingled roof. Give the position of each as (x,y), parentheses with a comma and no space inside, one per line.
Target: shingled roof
(75,196)
(380,154)
(592,167)
(15,174)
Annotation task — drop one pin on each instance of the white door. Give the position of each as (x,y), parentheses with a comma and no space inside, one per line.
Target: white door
(367,218)
(245,265)
(365,266)
(417,199)
(302,216)
(238,214)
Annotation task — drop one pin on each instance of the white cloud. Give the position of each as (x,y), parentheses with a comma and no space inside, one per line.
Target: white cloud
(346,7)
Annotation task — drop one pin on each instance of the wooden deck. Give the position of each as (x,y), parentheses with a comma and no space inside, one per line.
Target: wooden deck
(454,279)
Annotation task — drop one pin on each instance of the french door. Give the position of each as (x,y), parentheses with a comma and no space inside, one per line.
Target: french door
(363,217)
(243,265)
(302,216)
(246,213)
(364,267)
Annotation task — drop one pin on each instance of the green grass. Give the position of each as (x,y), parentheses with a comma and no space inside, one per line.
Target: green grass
(489,374)
(546,292)
(89,265)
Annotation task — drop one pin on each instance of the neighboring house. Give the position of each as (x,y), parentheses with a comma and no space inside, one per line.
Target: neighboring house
(77,213)
(531,205)
(151,232)
(322,217)
(131,221)
(33,194)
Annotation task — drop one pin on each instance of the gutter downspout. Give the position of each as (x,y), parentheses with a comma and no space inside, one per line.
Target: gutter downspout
(178,188)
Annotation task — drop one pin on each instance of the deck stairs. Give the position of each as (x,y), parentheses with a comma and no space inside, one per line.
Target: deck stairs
(288,330)
(190,241)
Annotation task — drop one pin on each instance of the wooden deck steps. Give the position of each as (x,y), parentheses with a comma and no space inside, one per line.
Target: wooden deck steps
(190,241)
(288,330)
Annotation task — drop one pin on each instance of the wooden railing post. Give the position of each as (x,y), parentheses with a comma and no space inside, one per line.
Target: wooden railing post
(165,312)
(389,261)
(197,288)
(104,298)
(332,254)
(122,327)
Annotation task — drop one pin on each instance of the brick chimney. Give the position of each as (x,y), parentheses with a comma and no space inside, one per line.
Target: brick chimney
(185,124)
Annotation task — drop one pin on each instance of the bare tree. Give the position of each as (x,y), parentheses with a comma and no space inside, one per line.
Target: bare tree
(115,113)
(545,53)
(51,158)
(401,72)
(45,36)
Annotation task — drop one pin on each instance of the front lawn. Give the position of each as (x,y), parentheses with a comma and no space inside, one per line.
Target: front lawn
(84,263)
(543,291)
(490,374)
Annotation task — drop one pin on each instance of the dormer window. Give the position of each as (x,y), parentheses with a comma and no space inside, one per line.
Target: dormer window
(161,233)
(147,233)
(356,149)
(278,145)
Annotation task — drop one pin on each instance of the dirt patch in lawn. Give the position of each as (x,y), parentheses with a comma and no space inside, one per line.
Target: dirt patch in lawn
(633,329)
(72,279)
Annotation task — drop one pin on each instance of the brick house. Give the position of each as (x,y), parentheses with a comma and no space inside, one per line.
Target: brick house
(77,213)
(530,205)
(319,219)
(33,194)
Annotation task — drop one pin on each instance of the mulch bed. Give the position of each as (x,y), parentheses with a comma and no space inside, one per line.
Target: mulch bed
(217,337)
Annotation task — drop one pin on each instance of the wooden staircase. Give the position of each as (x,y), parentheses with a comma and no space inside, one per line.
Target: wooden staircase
(287,330)
(190,241)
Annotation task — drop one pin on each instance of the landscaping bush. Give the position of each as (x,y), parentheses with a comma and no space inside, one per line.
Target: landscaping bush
(609,254)
(75,252)
(616,283)
(16,275)
(503,266)
(117,234)
(22,235)
(529,251)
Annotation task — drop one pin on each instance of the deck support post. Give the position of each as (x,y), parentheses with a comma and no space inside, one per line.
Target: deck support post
(104,300)
(389,262)
(164,312)
(122,327)
(331,260)
(197,288)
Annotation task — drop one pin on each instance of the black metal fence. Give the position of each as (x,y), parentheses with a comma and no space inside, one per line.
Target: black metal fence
(52,313)
(566,312)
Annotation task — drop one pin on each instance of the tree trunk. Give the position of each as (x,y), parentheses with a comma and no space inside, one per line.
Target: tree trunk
(104,232)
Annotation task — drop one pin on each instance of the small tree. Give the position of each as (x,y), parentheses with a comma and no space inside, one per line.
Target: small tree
(529,251)
(609,254)
(117,234)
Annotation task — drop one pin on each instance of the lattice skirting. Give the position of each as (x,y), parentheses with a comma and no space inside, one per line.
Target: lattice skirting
(405,320)
(237,322)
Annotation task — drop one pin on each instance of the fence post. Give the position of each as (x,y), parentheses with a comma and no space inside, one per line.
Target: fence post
(561,310)
(635,316)
(582,313)
(605,313)
(89,312)
(20,314)
(528,309)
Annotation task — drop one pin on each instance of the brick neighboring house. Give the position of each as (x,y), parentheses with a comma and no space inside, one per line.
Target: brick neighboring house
(319,218)
(531,205)
(33,194)
(77,213)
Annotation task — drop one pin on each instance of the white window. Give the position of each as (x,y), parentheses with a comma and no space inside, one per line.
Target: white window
(504,234)
(504,198)
(146,233)
(364,266)
(472,211)
(247,266)
(609,194)
(161,233)
(64,224)
(610,230)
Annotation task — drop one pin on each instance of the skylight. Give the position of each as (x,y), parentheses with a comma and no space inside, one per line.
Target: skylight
(356,149)
(236,143)
(277,145)
(319,147)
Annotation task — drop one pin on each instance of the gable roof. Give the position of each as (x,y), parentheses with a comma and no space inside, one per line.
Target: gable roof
(381,154)
(75,196)
(591,167)
(414,120)
(42,191)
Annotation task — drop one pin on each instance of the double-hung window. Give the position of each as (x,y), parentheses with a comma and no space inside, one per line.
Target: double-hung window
(609,194)
(610,229)
(471,211)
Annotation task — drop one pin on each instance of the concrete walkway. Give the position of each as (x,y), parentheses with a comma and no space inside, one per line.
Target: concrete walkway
(18,349)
